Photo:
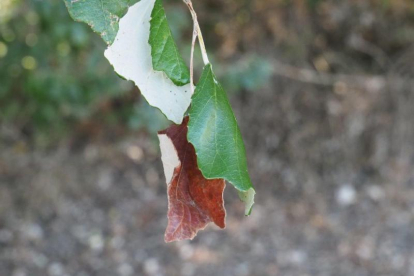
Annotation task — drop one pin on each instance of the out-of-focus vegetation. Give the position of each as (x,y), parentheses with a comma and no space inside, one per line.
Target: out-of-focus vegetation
(53,75)
(346,36)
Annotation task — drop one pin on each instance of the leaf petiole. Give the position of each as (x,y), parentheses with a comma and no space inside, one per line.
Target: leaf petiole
(197,31)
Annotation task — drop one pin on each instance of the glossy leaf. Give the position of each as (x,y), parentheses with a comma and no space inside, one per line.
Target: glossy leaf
(130,54)
(102,15)
(193,201)
(165,55)
(214,132)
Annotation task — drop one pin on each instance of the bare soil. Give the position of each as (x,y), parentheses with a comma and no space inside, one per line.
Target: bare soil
(332,166)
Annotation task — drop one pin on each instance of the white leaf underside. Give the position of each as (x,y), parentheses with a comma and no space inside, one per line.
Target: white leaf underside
(130,55)
(169,157)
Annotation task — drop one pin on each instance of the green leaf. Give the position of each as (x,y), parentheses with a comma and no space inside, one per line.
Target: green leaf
(214,132)
(130,54)
(102,15)
(165,55)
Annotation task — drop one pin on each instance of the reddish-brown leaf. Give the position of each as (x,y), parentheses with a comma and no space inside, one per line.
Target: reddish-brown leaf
(193,201)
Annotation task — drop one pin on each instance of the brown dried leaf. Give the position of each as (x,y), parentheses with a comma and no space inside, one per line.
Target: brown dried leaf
(193,201)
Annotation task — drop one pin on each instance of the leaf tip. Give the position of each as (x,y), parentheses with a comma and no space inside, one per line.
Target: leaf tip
(248,198)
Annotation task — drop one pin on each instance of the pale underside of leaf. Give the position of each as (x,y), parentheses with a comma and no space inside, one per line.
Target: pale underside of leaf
(214,132)
(165,54)
(169,156)
(130,54)
(102,15)
(248,199)
(193,201)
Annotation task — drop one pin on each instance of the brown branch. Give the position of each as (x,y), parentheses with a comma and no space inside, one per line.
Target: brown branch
(373,82)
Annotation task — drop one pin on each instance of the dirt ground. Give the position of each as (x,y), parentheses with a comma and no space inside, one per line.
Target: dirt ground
(332,166)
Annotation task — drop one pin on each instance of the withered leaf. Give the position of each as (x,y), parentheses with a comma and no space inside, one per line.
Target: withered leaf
(193,201)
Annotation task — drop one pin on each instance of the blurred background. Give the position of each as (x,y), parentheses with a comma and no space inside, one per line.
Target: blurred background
(324,94)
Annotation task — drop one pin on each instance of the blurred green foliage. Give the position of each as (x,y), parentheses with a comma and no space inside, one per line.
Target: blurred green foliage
(313,3)
(53,73)
(250,73)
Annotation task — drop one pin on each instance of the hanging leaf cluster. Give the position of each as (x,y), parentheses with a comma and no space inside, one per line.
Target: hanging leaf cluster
(200,150)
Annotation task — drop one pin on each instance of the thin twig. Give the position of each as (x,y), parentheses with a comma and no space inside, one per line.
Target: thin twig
(192,59)
(366,82)
(326,79)
(199,33)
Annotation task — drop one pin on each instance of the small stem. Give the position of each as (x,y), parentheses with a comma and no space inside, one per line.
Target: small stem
(199,34)
(201,42)
(195,32)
